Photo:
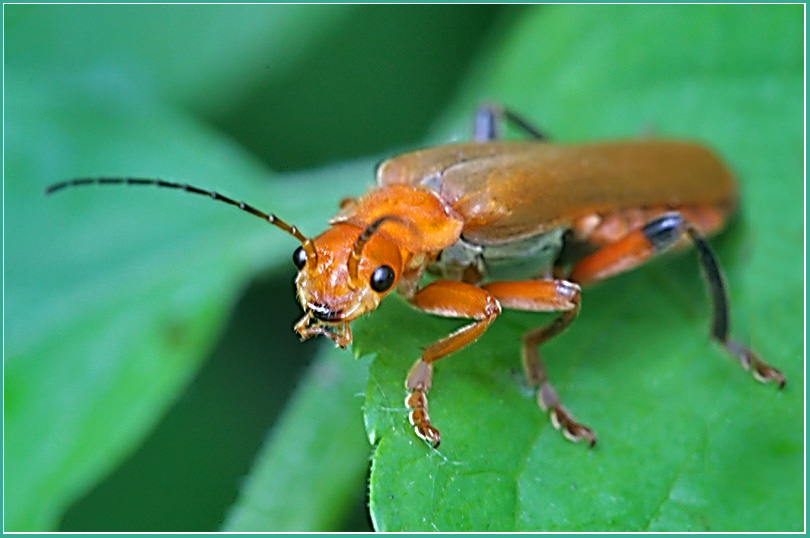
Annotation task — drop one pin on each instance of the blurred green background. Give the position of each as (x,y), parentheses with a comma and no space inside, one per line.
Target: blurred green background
(149,353)
(297,88)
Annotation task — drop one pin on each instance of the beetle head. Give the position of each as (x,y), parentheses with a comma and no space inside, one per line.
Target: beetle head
(344,274)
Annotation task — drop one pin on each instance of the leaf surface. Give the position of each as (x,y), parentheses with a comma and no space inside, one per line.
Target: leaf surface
(687,440)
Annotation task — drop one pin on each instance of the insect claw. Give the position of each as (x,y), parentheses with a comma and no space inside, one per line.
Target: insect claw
(765,374)
(419,419)
(762,372)
(428,433)
(571,429)
(432,436)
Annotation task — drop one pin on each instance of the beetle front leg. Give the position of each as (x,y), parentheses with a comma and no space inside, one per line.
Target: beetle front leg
(545,296)
(655,237)
(450,299)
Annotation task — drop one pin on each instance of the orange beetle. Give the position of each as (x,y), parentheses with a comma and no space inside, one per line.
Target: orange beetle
(518,225)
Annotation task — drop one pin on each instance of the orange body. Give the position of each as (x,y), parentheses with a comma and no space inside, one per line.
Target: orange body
(496,193)
(565,215)
(461,210)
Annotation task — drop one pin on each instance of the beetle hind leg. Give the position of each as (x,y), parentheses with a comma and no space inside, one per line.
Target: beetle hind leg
(655,237)
(761,371)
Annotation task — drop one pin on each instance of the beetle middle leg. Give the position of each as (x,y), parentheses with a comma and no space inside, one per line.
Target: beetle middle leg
(656,236)
(545,296)
(457,299)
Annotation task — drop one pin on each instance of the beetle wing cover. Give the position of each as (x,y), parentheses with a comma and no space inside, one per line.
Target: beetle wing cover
(506,191)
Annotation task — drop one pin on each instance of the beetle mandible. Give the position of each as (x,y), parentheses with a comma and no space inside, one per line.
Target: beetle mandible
(474,213)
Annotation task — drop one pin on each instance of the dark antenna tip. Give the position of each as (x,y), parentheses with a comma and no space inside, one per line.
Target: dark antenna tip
(267,217)
(75,183)
(50,189)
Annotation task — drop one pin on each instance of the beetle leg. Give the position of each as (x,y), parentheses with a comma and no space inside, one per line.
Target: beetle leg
(545,296)
(487,118)
(655,237)
(450,299)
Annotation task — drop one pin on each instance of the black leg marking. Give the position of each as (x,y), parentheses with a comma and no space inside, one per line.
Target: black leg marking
(714,280)
(664,231)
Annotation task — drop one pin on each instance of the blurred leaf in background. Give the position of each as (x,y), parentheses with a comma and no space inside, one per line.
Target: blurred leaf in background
(115,300)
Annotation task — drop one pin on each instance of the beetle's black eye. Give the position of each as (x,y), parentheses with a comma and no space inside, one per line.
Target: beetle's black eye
(382,278)
(300,258)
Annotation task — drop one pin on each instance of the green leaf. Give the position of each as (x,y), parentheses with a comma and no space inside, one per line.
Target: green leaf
(300,481)
(687,440)
(110,309)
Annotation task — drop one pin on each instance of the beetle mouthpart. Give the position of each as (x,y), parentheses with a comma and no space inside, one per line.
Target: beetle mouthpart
(323,313)
(338,332)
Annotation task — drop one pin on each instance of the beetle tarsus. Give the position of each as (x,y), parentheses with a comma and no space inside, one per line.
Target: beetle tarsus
(762,372)
(560,417)
(575,432)
(416,401)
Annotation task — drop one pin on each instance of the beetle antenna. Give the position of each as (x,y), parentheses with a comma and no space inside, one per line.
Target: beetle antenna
(360,243)
(309,248)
